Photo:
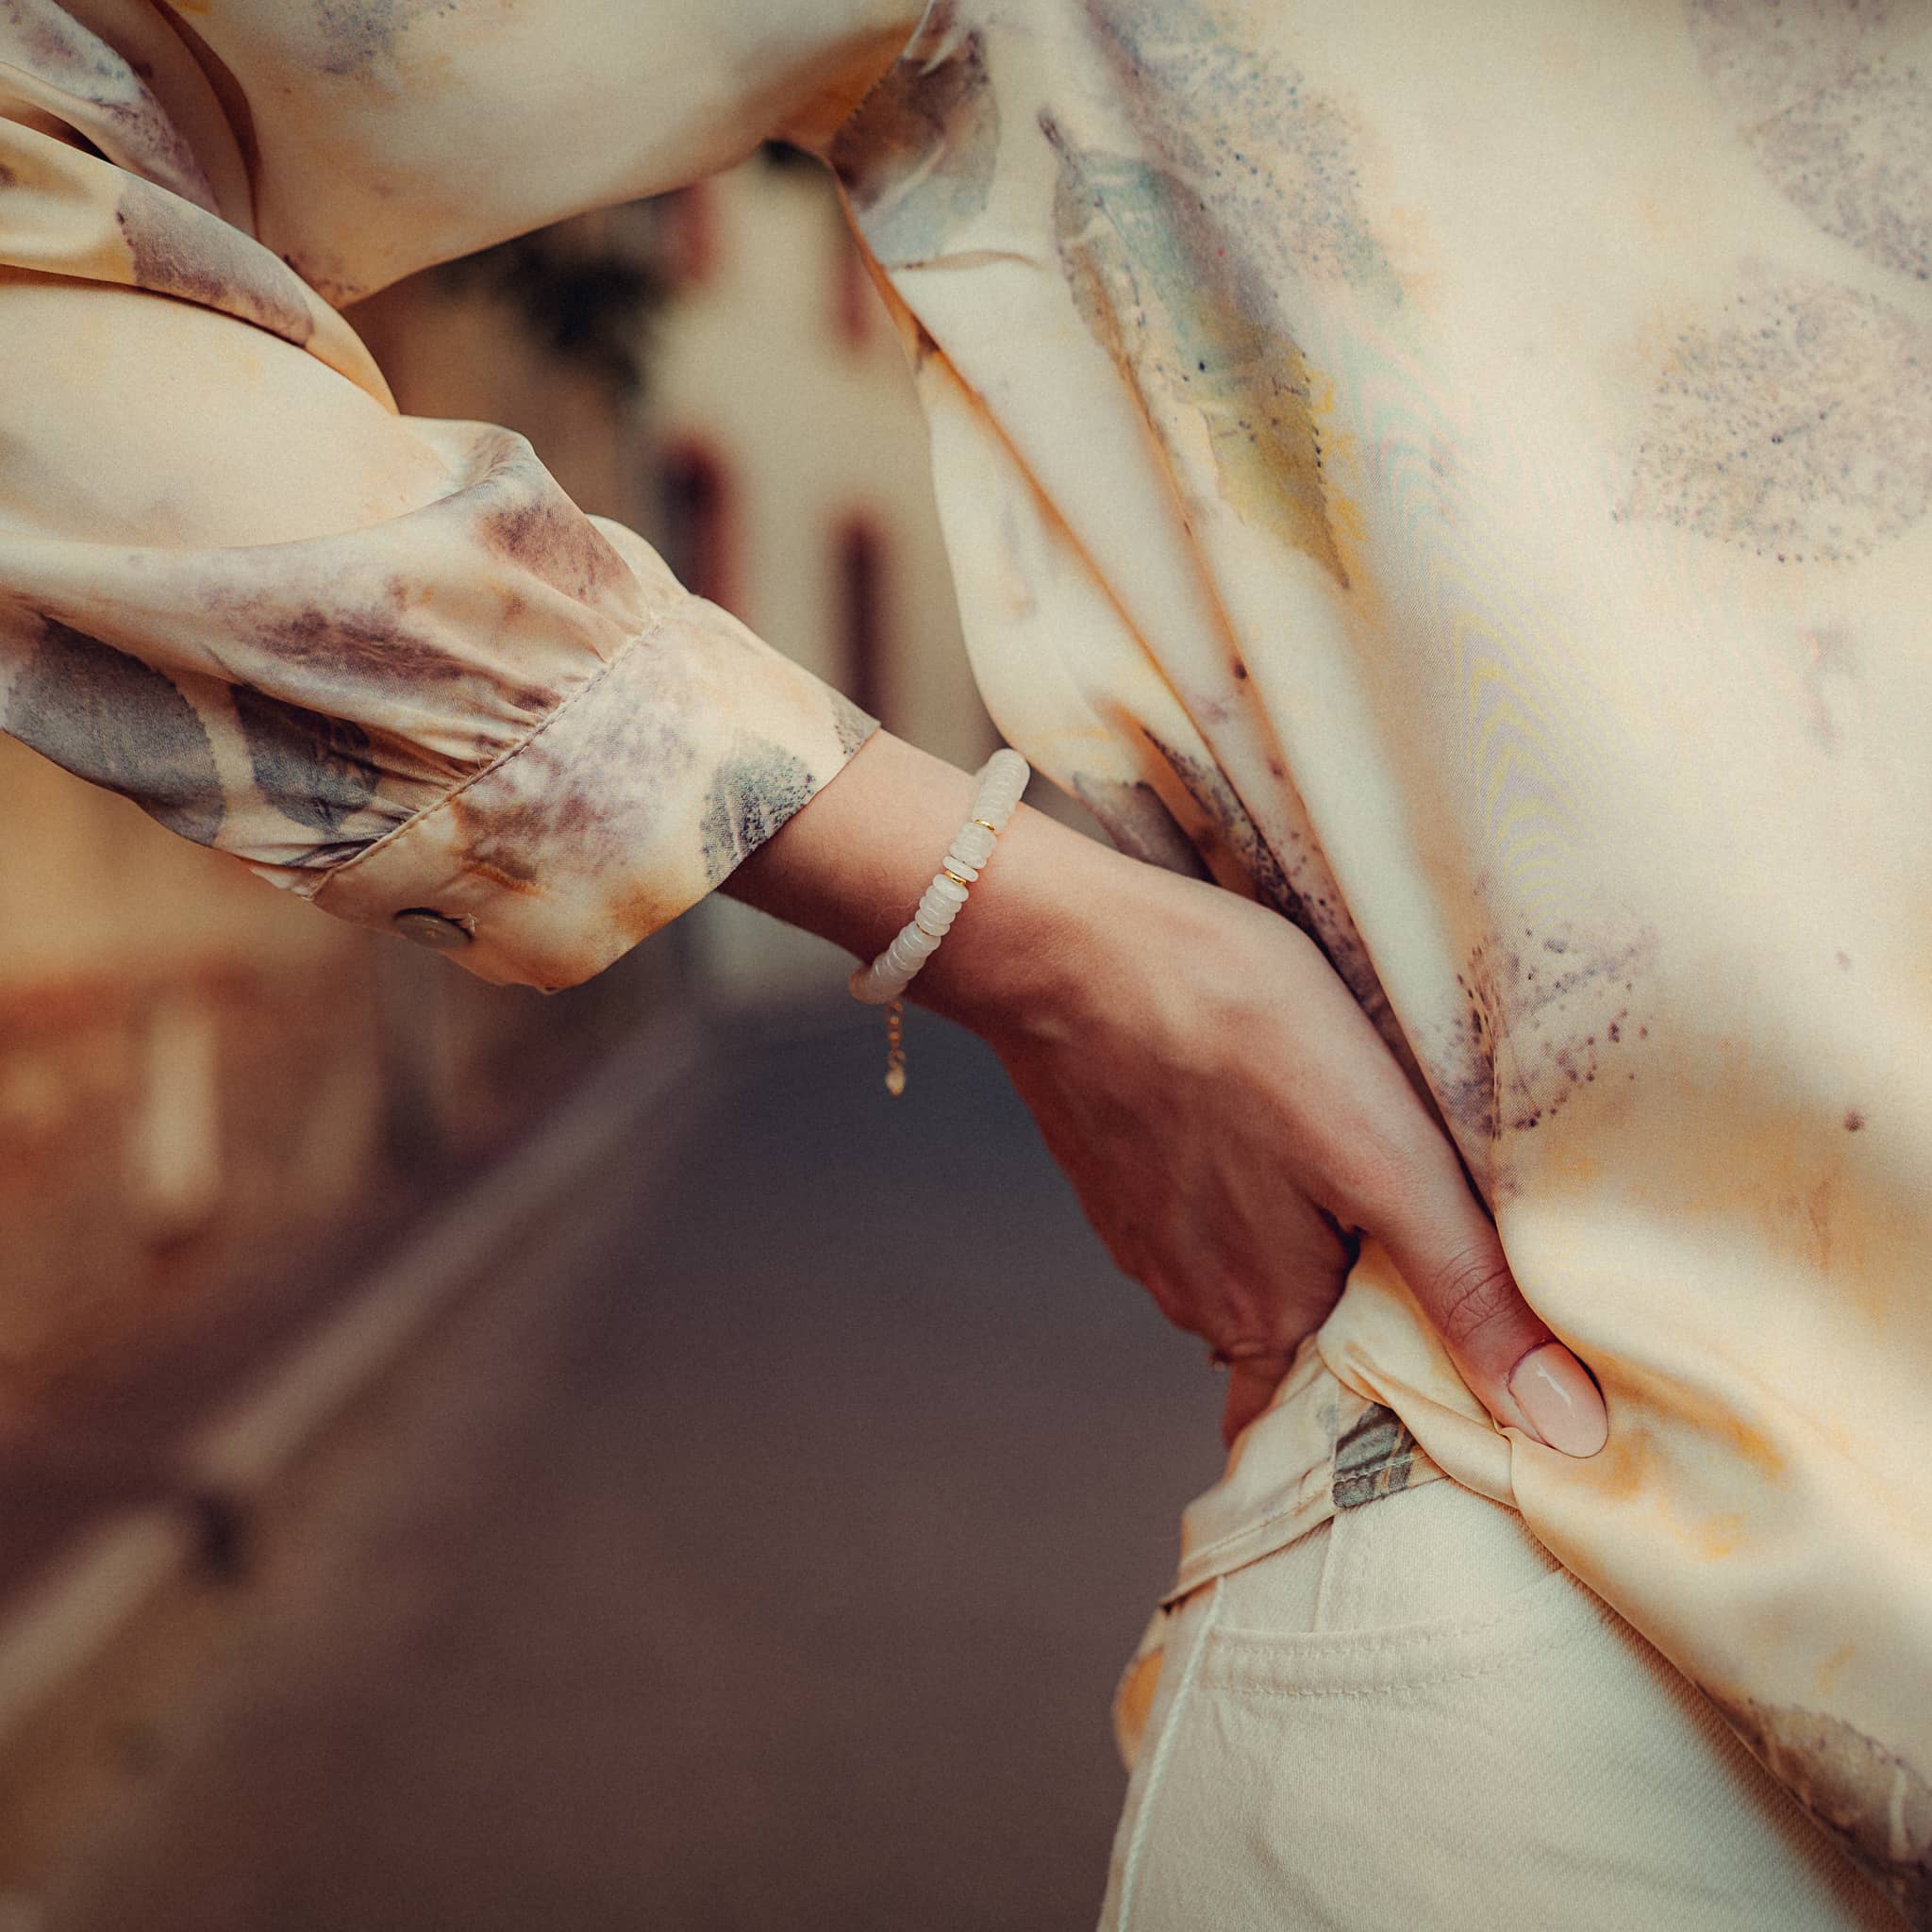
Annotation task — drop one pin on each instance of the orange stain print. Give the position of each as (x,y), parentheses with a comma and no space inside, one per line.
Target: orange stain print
(1156,290)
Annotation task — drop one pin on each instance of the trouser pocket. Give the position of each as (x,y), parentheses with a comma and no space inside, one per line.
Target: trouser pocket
(1412,1717)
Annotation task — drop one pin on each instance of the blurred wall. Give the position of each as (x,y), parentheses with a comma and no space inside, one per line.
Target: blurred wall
(184,1054)
(777,375)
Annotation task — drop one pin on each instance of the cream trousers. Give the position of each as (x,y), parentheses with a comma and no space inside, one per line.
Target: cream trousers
(1410,1720)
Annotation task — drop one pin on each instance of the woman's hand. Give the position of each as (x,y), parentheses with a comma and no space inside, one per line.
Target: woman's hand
(1229,1119)
(1233,1124)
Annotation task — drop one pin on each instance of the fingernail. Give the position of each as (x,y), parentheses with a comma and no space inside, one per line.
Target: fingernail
(1559,1400)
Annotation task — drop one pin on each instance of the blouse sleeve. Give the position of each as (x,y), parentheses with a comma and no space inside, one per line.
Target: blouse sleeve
(386,663)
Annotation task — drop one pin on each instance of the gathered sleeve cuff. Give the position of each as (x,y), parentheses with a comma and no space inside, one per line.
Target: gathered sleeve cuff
(645,786)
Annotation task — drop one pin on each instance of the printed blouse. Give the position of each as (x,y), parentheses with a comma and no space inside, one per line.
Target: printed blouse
(1460,475)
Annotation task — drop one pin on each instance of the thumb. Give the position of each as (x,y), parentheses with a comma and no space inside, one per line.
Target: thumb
(1448,1251)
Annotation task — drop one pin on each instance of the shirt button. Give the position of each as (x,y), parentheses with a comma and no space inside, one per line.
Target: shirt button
(431,930)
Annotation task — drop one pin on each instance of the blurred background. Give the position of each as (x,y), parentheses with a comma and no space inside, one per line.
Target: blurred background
(474,1459)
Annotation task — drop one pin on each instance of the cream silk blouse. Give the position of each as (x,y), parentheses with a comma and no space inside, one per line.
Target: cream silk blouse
(1460,475)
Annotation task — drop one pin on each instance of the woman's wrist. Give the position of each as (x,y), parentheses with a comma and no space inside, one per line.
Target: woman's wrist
(852,864)
(1024,952)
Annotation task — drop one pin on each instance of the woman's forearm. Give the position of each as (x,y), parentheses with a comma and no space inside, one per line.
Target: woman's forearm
(851,866)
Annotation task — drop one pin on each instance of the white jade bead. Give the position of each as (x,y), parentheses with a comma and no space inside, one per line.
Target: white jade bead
(1002,781)
(868,985)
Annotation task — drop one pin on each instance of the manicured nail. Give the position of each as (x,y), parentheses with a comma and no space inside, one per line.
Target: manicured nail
(1559,1400)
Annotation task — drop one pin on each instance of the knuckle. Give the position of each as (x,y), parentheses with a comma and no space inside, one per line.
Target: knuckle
(1367,1181)
(1470,1295)
(1386,1167)
(1255,1355)
(1176,1306)
(1160,1290)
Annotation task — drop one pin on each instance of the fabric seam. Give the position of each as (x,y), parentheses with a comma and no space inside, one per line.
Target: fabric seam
(1156,1769)
(1402,1687)
(1348,1643)
(1257,1527)
(1186,1576)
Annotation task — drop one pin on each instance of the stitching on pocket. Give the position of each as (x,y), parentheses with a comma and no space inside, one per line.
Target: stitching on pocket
(1397,1687)
(1523,1605)
(1545,1616)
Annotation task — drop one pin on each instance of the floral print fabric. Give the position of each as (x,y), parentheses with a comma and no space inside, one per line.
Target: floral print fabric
(1464,476)
(1461,476)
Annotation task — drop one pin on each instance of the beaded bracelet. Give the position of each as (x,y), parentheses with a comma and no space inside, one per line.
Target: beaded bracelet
(1002,779)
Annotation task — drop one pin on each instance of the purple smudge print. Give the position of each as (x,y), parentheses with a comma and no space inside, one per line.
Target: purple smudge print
(110,719)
